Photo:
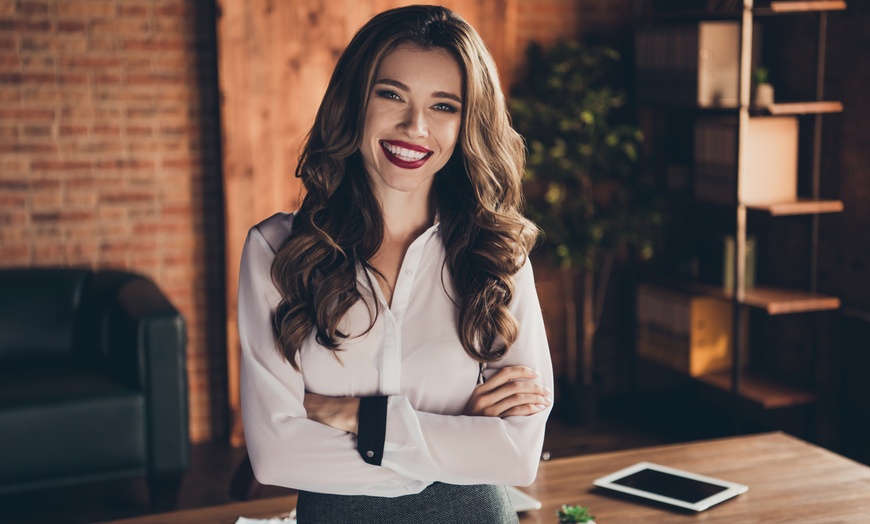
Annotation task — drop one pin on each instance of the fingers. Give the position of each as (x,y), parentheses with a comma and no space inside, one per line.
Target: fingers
(519,404)
(509,392)
(508,374)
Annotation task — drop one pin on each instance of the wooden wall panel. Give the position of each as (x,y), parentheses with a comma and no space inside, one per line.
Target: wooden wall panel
(274,62)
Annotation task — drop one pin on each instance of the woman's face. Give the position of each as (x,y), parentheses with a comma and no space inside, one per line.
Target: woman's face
(413,120)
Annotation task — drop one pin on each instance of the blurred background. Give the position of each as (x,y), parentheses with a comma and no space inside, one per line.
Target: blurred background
(150,135)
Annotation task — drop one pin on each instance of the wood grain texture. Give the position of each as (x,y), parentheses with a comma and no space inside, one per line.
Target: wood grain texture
(801,207)
(274,62)
(790,481)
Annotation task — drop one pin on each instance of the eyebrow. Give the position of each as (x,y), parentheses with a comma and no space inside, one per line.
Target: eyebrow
(403,87)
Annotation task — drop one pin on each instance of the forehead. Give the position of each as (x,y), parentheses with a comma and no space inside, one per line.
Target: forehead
(434,68)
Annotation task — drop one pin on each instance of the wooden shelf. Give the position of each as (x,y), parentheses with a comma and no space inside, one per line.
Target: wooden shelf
(800,207)
(760,390)
(780,7)
(782,301)
(775,301)
(785,6)
(799,108)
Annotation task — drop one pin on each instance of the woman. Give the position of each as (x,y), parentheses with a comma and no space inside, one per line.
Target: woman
(394,361)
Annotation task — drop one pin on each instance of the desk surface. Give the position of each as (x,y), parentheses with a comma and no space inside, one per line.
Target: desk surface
(789,481)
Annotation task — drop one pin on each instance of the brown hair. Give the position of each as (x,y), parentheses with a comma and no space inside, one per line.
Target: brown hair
(478,195)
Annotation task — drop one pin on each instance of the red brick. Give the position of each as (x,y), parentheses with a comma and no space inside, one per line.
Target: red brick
(27,78)
(14,184)
(119,27)
(67,26)
(10,62)
(87,113)
(36,62)
(72,78)
(124,246)
(152,44)
(26,114)
(10,199)
(108,79)
(37,131)
(31,8)
(10,94)
(60,165)
(107,130)
(125,163)
(21,25)
(80,8)
(8,43)
(11,255)
(154,228)
(154,79)
(176,9)
(90,62)
(133,10)
(139,130)
(73,130)
(181,162)
(67,44)
(28,148)
(124,197)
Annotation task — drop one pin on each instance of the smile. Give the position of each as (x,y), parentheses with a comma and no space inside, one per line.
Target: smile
(404,155)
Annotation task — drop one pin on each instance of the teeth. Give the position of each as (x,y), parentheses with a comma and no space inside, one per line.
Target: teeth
(404,154)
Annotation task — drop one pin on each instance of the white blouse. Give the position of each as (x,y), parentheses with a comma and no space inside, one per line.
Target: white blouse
(413,355)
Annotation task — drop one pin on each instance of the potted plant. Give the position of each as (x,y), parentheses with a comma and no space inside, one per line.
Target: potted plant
(574,514)
(763,94)
(583,185)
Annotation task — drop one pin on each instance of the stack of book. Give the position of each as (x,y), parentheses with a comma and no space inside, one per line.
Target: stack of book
(769,159)
(682,331)
(690,64)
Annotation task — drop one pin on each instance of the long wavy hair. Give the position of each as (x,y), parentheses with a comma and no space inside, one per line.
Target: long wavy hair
(478,196)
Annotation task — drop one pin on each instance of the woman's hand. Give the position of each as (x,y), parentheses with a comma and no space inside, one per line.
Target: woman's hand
(341,413)
(509,392)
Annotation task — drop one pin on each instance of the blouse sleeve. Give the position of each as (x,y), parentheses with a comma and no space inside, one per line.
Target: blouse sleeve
(479,449)
(285,448)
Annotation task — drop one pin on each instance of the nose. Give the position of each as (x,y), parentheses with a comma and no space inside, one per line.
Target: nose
(414,124)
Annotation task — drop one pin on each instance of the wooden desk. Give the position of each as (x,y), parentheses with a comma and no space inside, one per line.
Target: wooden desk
(789,481)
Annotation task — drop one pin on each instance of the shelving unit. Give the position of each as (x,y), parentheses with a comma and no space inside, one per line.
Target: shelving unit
(745,386)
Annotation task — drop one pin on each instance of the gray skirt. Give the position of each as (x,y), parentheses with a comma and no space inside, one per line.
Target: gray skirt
(438,503)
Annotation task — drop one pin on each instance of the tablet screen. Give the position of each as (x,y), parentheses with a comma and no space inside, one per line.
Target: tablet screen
(672,486)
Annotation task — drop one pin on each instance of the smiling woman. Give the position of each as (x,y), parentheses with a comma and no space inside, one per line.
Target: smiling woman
(394,362)
(412,123)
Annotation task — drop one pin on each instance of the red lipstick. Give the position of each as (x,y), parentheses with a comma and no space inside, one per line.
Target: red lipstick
(404,164)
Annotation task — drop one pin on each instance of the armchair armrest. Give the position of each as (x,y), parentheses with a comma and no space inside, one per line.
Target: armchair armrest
(160,343)
(141,341)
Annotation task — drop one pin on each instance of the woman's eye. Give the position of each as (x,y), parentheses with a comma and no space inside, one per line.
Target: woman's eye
(390,95)
(447,108)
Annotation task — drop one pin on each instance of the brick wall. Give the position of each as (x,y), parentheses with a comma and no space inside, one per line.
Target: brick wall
(109,158)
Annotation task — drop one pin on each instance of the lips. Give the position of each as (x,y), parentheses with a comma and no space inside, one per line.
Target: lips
(405,155)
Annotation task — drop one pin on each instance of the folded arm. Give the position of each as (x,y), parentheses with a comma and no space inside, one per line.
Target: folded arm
(307,442)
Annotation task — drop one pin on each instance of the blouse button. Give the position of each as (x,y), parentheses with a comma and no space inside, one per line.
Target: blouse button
(409,272)
(370,454)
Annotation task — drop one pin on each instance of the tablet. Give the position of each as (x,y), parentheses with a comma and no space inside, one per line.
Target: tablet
(670,486)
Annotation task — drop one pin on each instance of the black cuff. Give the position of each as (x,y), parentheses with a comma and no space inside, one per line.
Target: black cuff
(372,429)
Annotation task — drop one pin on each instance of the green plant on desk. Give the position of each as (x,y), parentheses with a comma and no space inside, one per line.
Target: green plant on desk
(571,514)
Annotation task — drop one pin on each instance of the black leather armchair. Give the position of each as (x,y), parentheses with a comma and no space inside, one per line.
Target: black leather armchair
(92,380)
